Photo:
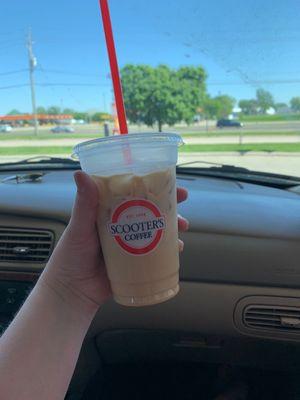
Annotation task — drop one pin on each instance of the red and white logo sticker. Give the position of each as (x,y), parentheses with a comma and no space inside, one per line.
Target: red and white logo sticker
(137,226)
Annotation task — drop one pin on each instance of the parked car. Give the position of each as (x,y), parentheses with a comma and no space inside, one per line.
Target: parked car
(5,128)
(229,123)
(62,129)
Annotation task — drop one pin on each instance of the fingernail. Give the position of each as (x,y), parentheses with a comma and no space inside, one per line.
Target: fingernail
(181,245)
(79,183)
(186,220)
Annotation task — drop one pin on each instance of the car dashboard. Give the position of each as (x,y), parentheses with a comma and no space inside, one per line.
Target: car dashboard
(240,274)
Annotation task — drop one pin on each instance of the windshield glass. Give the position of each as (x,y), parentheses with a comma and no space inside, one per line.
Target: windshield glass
(223,73)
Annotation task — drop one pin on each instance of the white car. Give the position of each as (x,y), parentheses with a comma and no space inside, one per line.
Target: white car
(62,129)
(5,128)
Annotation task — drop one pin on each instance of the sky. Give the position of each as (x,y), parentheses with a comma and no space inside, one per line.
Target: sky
(241,45)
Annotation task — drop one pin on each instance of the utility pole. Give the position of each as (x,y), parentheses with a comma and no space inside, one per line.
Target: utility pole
(32,65)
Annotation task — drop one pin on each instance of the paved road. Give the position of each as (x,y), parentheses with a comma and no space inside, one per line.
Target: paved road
(285,126)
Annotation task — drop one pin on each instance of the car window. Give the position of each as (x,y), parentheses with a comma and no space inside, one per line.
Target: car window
(190,67)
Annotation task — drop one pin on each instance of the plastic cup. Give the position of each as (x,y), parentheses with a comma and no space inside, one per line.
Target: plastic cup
(137,218)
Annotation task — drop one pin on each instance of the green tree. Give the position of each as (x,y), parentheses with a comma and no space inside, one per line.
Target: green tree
(279,106)
(295,104)
(53,110)
(14,112)
(99,117)
(225,105)
(264,100)
(162,95)
(218,107)
(248,107)
(209,108)
(80,115)
(41,110)
(68,111)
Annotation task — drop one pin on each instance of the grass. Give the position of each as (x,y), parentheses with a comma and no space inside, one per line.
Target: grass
(257,147)
(34,150)
(237,133)
(47,136)
(203,134)
(270,118)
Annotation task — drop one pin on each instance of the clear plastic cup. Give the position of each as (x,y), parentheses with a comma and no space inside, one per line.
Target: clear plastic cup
(137,219)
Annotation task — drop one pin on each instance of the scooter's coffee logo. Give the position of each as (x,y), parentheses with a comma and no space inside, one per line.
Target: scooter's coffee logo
(137,226)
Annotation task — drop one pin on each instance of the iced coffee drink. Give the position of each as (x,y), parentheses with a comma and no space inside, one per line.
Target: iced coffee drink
(137,227)
(137,218)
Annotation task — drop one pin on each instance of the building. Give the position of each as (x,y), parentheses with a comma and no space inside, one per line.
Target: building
(23,119)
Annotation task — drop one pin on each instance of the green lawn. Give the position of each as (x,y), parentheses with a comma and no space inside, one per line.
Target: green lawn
(237,133)
(258,147)
(45,150)
(269,118)
(220,133)
(263,147)
(47,136)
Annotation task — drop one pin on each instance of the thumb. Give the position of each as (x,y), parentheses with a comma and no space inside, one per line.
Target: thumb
(84,213)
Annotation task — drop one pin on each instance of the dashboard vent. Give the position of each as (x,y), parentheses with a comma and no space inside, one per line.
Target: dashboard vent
(25,245)
(284,319)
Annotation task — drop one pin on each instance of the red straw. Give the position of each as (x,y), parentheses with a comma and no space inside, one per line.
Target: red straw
(114,66)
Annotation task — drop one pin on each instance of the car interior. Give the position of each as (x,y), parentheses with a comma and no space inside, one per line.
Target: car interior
(233,330)
(235,321)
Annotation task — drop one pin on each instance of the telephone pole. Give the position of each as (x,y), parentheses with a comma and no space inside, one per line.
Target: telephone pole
(32,65)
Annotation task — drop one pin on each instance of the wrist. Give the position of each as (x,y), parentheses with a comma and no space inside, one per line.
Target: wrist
(75,302)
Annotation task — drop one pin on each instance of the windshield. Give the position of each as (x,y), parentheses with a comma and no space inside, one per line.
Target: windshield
(223,73)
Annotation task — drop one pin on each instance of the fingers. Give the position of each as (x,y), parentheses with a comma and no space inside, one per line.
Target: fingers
(180,245)
(182,194)
(183,223)
(84,214)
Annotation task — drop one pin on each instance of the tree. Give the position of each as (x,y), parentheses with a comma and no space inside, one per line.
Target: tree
(162,95)
(80,115)
(41,110)
(14,112)
(295,104)
(68,111)
(264,99)
(249,107)
(100,117)
(53,110)
(280,105)
(225,105)
(218,107)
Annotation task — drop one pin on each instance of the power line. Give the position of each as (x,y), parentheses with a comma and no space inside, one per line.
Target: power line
(256,82)
(14,86)
(14,72)
(11,33)
(72,84)
(65,84)
(60,72)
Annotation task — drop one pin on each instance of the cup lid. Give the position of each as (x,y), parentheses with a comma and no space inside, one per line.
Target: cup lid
(132,138)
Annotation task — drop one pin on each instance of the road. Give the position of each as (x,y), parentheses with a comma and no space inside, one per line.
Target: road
(286,126)
(190,140)
(278,126)
(284,163)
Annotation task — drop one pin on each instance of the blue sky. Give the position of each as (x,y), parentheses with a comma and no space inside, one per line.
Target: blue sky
(241,46)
